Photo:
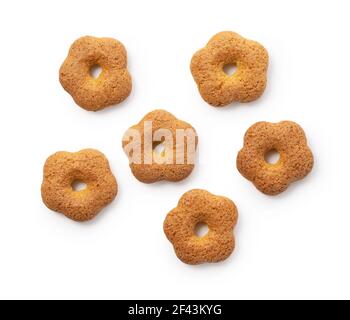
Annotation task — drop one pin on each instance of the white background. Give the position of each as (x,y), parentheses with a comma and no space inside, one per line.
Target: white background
(295,245)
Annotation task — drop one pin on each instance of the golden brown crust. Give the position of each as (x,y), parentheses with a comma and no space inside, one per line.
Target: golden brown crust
(199,206)
(245,85)
(113,84)
(289,140)
(90,166)
(153,172)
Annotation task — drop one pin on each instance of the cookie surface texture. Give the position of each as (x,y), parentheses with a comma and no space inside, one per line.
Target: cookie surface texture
(113,84)
(164,148)
(63,169)
(227,48)
(200,206)
(295,157)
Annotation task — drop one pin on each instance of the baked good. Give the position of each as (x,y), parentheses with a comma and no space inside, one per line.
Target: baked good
(112,86)
(200,206)
(178,139)
(63,169)
(295,157)
(228,48)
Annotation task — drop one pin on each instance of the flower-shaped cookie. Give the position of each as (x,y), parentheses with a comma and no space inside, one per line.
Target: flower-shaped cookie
(228,48)
(200,206)
(148,162)
(112,86)
(289,140)
(63,169)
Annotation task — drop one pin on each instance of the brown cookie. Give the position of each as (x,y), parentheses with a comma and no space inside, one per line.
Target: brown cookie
(200,206)
(142,141)
(228,48)
(112,86)
(289,140)
(89,166)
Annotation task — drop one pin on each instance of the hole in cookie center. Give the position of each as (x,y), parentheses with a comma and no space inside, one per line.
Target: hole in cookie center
(159,149)
(95,71)
(230,69)
(78,185)
(201,229)
(272,156)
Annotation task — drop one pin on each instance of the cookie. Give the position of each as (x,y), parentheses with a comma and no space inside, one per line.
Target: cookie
(228,48)
(63,169)
(178,139)
(289,140)
(112,86)
(200,206)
